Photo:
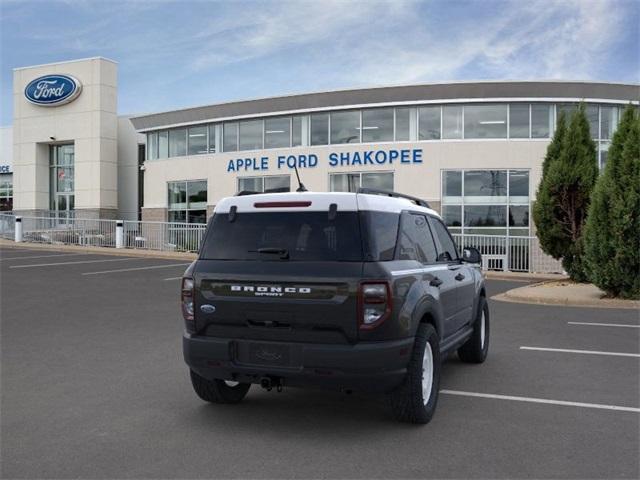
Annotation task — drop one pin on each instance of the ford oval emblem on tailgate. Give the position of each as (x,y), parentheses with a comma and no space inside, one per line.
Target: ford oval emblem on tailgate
(206,308)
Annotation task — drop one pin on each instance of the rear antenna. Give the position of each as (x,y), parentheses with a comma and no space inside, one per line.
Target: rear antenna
(301,187)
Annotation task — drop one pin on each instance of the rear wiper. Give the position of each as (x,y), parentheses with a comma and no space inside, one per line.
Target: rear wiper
(283,252)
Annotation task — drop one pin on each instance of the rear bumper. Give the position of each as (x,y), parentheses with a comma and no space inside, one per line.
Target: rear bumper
(366,366)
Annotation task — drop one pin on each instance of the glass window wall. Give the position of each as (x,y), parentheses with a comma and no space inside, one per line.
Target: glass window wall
(6,192)
(320,129)
(519,120)
(488,202)
(270,184)
(212,138)
(163,144)
(485,186)
(403,124)
(197,139)
(592,117)
(296,131)
(541,120)
(152,146)
(350,182)
(485,121)
(178,142)
(277,132)
(345,127)
(429,123)
(251,135)
(452,121)
(230,137)
(608,121)
(377,125)
(187,201)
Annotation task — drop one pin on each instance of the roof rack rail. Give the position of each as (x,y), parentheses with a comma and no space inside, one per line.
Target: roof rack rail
(389,193)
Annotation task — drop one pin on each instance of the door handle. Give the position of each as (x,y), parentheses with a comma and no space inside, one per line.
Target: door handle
(436,282)
(459,277)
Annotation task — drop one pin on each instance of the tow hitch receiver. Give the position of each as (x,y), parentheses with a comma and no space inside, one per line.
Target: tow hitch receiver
(268,383)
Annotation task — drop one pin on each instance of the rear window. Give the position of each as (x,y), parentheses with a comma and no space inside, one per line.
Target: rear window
(301,236)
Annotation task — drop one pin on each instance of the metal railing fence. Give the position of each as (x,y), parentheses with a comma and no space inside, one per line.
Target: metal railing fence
(517,254)
(163,236)
(69,231)
(7,226)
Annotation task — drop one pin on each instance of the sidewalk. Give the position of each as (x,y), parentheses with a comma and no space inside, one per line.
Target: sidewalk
(127,252)
(564,292)
(523,276)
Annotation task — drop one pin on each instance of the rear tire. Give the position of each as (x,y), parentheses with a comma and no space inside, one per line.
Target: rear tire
(475,349)
(416,399)
(218,391)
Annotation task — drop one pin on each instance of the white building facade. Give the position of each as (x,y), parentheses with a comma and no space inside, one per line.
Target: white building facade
(473,150)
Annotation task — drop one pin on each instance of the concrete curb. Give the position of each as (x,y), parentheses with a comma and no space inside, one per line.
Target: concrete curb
(557,296)
(125,252)
(524,276)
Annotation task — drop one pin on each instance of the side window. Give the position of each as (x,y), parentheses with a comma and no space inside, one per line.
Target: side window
(416,242)
(447,251)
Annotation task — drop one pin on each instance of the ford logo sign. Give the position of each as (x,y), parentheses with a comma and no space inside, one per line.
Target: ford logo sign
(53,90)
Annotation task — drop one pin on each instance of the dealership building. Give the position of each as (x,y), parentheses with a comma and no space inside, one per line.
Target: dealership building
(473,150)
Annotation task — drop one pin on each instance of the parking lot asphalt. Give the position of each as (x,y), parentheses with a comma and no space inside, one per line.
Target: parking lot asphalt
(94,386)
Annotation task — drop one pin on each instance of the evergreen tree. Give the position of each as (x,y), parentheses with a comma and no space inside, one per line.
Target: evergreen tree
(612,233)
(543,211)
(564,194)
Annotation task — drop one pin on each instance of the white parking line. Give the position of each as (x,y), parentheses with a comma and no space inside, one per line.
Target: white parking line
(138,268)
(172,278)
(42,256)
(74,263)
(541,400)
(622,325)
(588,352)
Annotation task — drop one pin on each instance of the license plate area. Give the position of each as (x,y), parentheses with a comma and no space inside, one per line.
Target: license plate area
(264,353)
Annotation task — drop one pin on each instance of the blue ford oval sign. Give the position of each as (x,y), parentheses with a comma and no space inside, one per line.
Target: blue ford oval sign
(53,90)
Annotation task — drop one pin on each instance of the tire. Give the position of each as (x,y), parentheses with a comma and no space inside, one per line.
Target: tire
(408,402)
(475,349)
(218,391)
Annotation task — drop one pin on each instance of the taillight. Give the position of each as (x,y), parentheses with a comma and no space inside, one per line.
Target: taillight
(374,304)
(186,300)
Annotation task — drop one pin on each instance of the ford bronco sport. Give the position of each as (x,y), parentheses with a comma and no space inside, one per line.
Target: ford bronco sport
(354,291)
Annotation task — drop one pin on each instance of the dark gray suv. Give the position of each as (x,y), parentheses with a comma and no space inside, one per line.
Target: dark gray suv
(354,291)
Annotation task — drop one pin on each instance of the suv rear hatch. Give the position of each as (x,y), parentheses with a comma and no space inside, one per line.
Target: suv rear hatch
(280,270)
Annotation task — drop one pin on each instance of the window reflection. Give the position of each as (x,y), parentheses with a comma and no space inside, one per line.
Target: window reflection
(403,124)
(377,125)
(452,121)
(320,129)
(345,127)
(485,121)
(429,123)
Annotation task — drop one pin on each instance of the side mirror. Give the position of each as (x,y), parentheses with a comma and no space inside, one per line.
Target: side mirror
(471,255)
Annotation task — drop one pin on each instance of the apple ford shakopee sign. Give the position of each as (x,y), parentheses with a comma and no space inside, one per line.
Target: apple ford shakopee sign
(53,90)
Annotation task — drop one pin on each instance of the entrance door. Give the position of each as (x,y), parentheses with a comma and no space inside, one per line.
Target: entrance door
(62,181)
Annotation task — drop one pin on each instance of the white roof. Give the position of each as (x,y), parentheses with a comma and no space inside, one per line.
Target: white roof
(319,201)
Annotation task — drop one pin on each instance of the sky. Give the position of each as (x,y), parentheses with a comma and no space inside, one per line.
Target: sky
(176,54)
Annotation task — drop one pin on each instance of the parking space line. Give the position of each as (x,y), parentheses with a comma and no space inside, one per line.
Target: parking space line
(621,325)
(541,400)
(75,263)
(152,267)
(587,352)
(172,278)
(42,256)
